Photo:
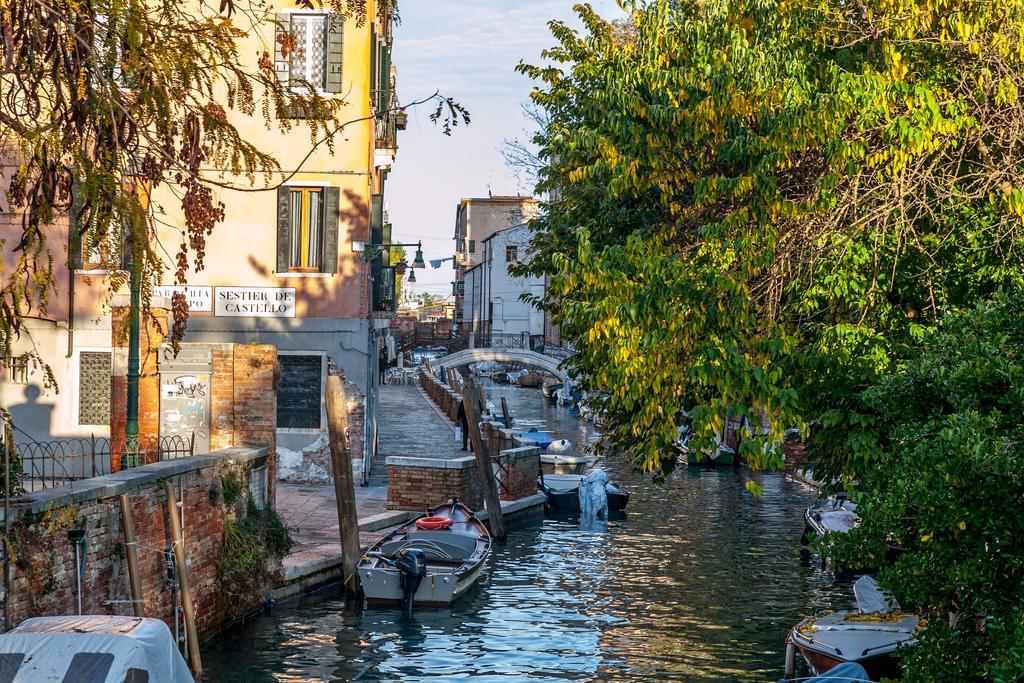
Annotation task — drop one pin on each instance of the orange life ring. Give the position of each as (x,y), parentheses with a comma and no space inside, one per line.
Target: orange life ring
(434,523)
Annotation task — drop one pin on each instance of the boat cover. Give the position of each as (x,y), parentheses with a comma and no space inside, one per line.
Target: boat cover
(594,494)
(840,520)
(871,598)
(847,672)
(93,649)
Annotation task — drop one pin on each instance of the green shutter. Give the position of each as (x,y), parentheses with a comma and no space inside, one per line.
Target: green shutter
(282,26)
(74,227)
(384,87)
(331,201)
(335,31)
(376,218)
(282,229)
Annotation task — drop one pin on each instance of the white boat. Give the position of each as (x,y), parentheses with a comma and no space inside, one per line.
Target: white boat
(429,561)
(95,648)
(868,636)
(832,515)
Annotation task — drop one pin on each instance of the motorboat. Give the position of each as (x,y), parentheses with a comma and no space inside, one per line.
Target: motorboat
(559,459)
(562,491)
(99,648)
(429,561)
(869,636)
(721,456)
(567,396)
(831,515)
(536,437)
(550,390)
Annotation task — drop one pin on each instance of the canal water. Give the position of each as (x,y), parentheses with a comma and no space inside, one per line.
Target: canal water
(699,581)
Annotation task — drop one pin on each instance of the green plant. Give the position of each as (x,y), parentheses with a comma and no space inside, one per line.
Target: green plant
(231,486)
(940,473)
(249,545)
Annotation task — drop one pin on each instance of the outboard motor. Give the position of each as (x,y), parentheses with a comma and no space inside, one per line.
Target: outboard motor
(412,567)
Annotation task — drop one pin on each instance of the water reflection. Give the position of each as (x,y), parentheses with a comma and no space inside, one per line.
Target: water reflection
(699,581)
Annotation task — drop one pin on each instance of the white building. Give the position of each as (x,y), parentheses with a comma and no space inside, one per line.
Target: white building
(492,299)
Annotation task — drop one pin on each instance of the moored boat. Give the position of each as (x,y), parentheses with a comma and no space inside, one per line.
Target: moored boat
(99,648)
(869,636)
(530,379)
(563,493)
(835,514)
(430,561)
(536,437)
(550,390)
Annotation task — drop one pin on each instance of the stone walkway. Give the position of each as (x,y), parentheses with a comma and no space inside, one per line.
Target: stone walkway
(311,515)
(409,425)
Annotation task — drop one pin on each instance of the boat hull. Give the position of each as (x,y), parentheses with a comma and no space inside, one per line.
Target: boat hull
(563,464)
(568,500)
(455,557)
(724,458)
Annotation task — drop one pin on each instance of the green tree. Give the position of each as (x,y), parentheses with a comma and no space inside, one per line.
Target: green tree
(96,92)
(943,477)
(758,208)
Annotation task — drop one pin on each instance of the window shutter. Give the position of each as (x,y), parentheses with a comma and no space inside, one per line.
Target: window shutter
(384,92)
(283,26)
(331,200)
(74,227)
(335,31)
(376,218)
(282,229)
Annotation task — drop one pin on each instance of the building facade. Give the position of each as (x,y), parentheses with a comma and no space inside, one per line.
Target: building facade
(280,269)
(476,219)
(492,301)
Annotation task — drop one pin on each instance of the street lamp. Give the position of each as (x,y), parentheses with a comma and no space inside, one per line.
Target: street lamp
(412,275)
(372,251)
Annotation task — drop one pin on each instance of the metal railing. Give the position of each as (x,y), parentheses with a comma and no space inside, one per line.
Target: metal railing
(46,464)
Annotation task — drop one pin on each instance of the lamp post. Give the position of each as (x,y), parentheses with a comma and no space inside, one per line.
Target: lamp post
(140,189)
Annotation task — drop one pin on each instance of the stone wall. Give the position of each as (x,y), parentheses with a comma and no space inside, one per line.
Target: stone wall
(420,483)
(43,559)
(517,475)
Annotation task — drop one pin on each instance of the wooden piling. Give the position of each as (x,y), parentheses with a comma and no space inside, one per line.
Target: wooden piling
(344,486)
(195,661)
(506,417)
(470,398)
(132,553)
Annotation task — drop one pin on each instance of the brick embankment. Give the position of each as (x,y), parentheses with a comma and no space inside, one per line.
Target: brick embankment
(43,558)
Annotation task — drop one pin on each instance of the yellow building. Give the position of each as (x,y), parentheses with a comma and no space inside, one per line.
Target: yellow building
(280,268)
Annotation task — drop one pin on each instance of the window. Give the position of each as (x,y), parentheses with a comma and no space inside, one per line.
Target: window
(305,221)
(299,391)
(98,253)
(511,254)
(136,676)
(307,230)
(17,370)
(94,369)
(468,246)
(308,51)
(88,667)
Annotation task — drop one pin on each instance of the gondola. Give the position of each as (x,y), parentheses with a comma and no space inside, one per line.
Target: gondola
(430,561)
(563,493)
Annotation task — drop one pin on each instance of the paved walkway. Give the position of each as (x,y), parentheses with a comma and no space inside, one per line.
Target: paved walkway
(311,515)
(410,425)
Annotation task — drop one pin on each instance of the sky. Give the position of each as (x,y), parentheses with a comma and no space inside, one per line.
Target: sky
(466,49)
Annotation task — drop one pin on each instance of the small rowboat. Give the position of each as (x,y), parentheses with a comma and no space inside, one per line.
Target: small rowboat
(430,561)
(869,637)
(550,391)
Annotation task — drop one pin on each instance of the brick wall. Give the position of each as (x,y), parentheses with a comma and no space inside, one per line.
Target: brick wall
(518,473)
(421,483)
(43,561)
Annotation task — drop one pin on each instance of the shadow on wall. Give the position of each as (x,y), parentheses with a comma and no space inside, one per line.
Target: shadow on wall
(33,420)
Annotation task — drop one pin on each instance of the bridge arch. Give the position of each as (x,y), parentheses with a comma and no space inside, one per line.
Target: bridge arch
(524,356)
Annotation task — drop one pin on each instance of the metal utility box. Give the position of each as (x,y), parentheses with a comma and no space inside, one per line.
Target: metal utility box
(185,390)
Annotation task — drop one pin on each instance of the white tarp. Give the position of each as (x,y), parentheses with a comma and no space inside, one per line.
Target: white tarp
(92,649)
(594,494)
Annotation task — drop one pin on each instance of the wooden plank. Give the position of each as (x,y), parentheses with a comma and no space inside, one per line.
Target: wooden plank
(344,486)
(128,526)
(195,661)
(505,415)
(470,398)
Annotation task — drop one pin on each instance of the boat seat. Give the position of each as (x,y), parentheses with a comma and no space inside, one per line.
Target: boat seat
(434,544)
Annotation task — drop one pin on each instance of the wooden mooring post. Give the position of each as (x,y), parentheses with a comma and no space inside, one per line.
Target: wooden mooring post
(506,417)
(344,485)
(470,401)
(181,565)
(132,553)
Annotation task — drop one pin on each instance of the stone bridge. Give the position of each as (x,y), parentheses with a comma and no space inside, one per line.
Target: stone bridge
(524,356)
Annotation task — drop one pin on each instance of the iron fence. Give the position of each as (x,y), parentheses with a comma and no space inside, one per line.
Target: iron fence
(46,464)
